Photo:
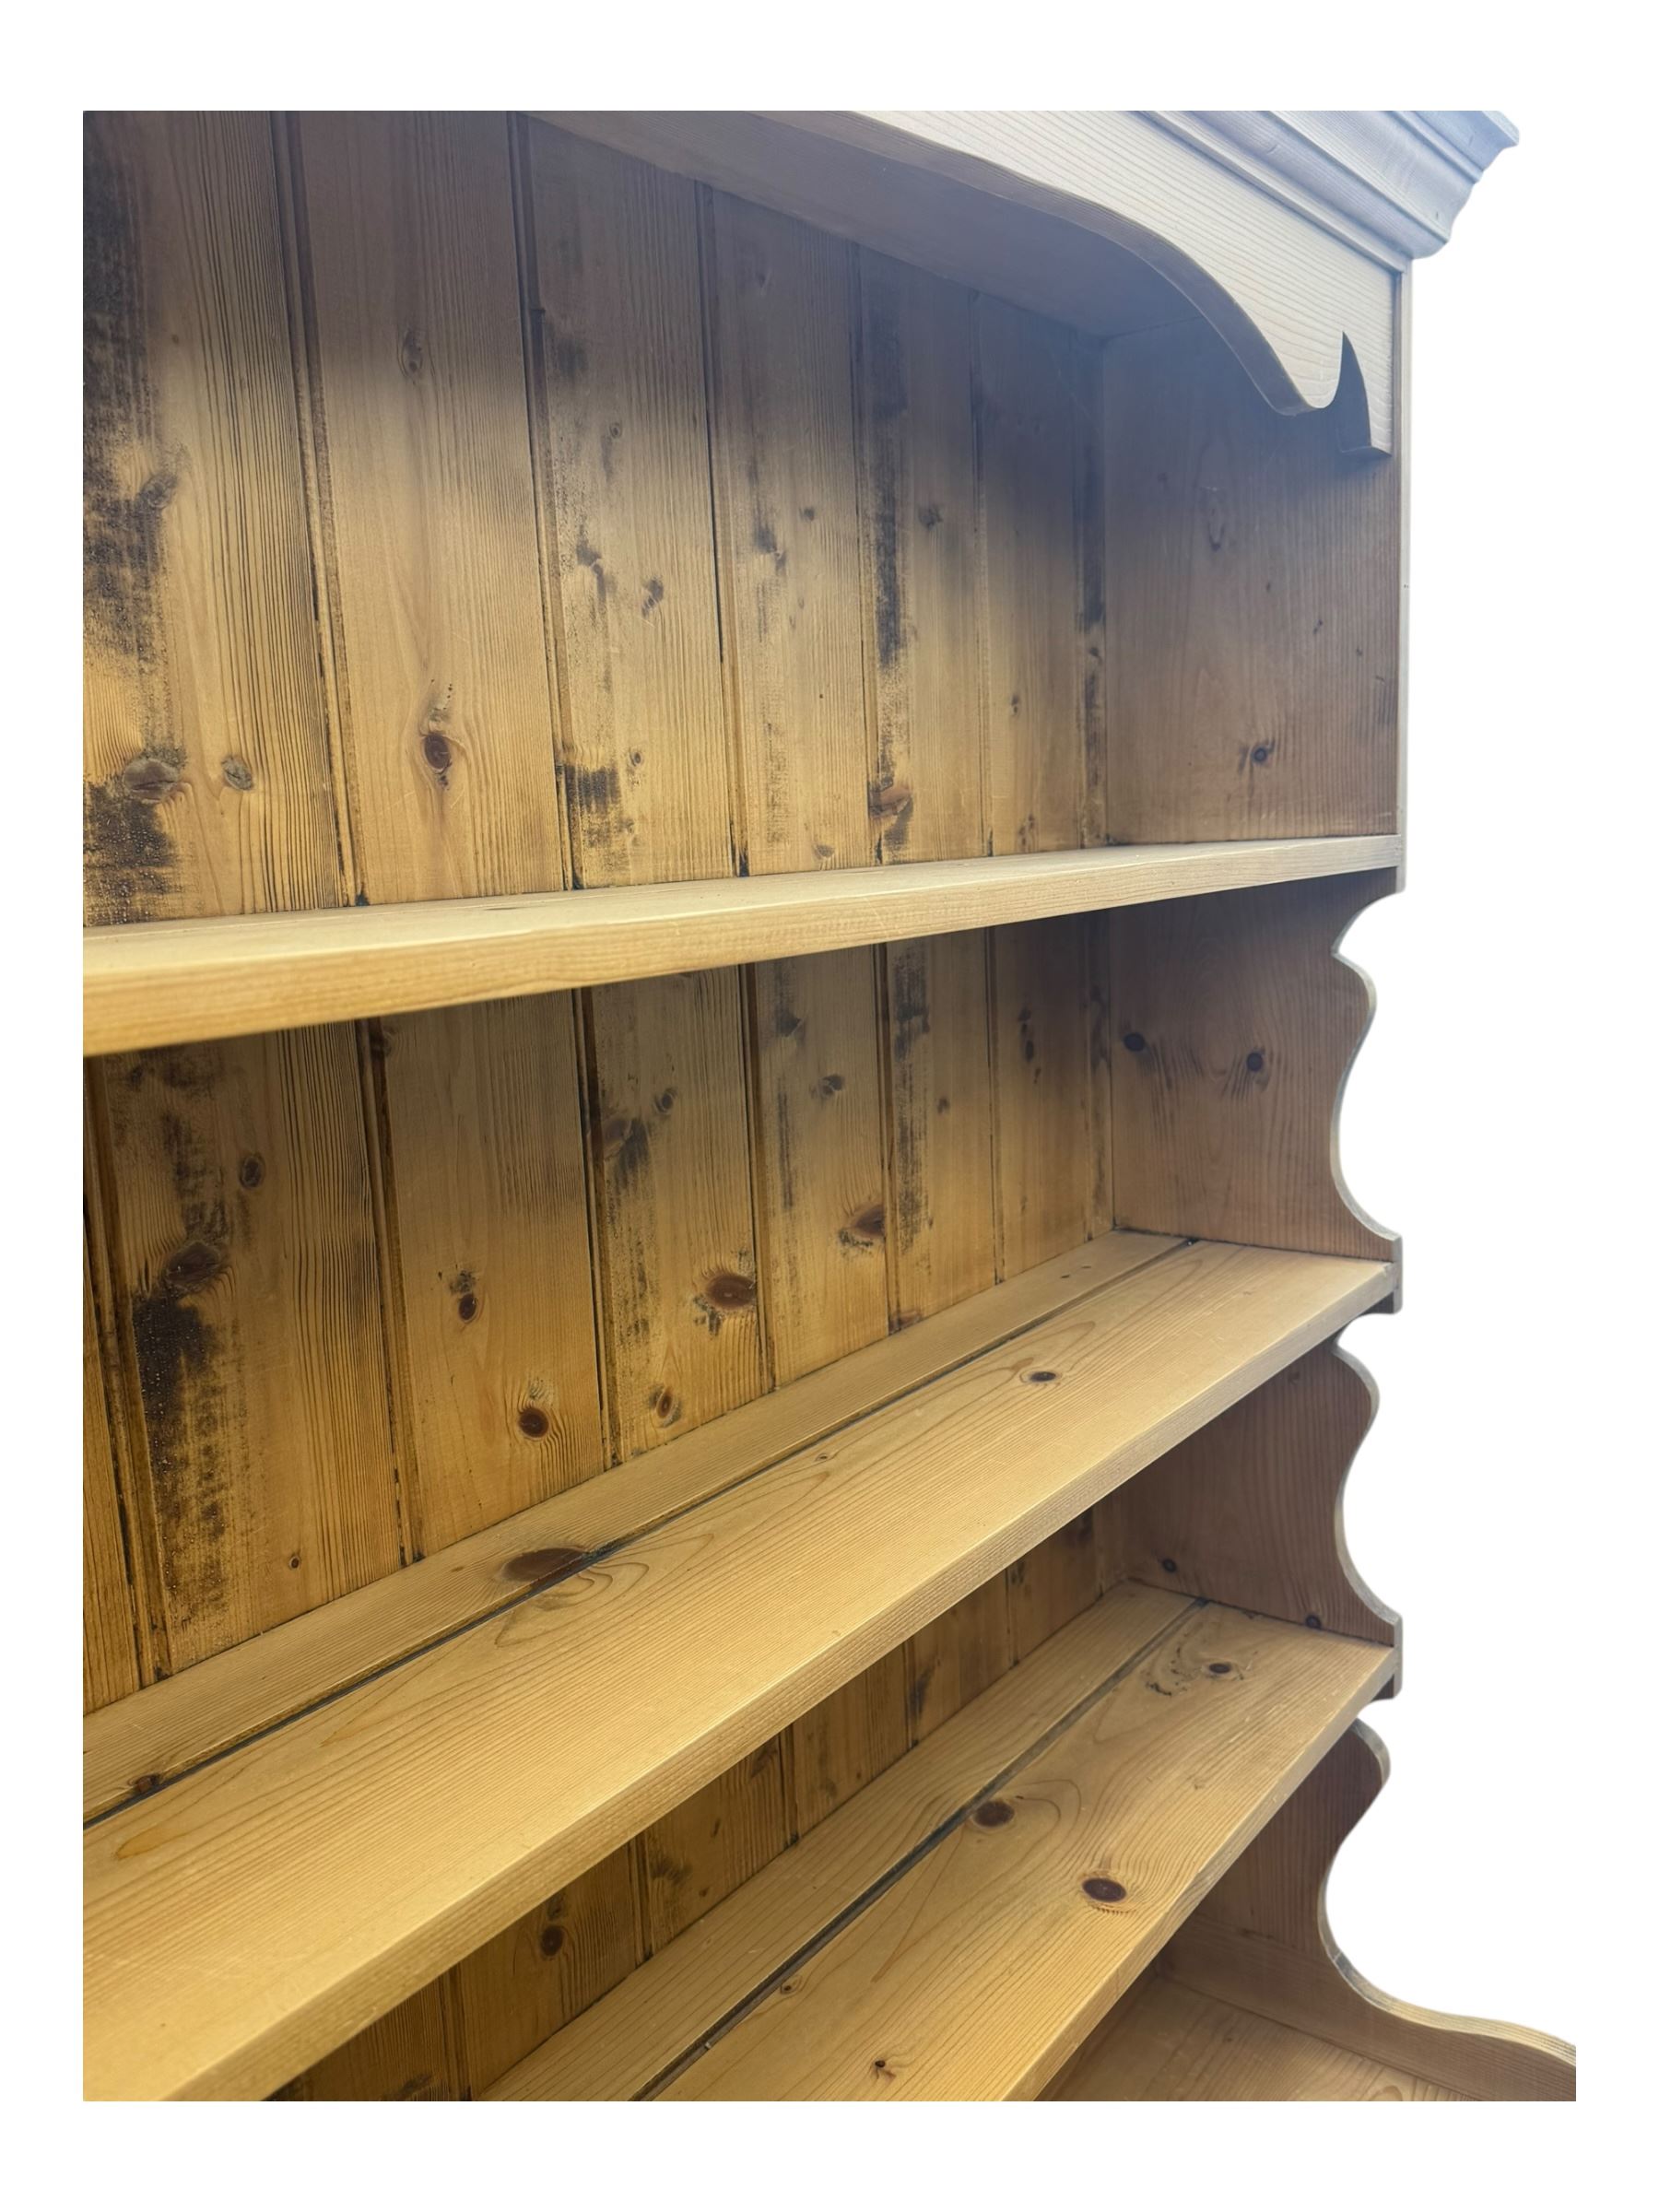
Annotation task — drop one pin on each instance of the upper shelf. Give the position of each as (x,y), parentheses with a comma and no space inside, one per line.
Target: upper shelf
(178,983)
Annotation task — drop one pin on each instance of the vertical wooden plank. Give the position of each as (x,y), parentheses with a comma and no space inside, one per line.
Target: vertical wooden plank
(208,781)
(409,260)
(487,1212)
(108,1647)
(1097,945)
(1254,678)
(700,1851)
(677,1235)
(921,543)
(939,1217)
(1028,407)
(1054,1581)
(849,1739)
(957,1656)
(535,1976)
(820,1159)
(1040,1056)
(249,1308)
(786,505)
(1088,429)
(621,415)
(411,2056)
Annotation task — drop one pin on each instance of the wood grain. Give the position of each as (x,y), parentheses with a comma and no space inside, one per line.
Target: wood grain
(182,982)
(410,273)
(209,786)
(249,1316)
(370,1844)
(622,423)
(786,502)
(1234,1024)
(623,2044)
(919,517)
(481,1122)
(231,1696)
(1043,1091)
(548,1967)
(820,1155)
(1262,1941)
(1168,2045)
(1252,676)
(940,1212)
(981,1970)
(1030,394)
(1249,1510)
(676,1231)
(109,1645)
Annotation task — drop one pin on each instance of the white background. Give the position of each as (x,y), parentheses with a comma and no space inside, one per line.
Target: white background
(1500,1114)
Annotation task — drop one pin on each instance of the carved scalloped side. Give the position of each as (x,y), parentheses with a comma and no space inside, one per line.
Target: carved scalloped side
(1248,1513)
(1262,1940)
(1236,1022)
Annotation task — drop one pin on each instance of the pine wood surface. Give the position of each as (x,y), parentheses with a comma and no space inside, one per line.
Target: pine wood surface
(178,985)
(621,2046)
(210,1707)
(1170,2045)
(978,1972)
(392,1879)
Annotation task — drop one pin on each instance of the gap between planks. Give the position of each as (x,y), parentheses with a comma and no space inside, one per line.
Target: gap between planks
(178,983)
(935,1938)
(260,1911)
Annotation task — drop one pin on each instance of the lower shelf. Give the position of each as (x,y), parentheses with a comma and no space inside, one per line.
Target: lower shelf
(1170,2045)
(960,1927)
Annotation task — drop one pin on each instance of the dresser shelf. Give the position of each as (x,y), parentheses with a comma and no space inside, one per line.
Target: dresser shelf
(177,982)
(275,1901)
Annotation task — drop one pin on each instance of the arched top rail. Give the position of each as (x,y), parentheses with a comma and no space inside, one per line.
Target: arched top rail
(1286,230)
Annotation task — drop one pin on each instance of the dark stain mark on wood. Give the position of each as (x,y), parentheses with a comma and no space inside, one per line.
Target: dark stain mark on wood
(627,1142)
(237,773)
(891,807)
(728,1290)
(653,595)
(251,1171)
(411,354)
(665,1405)
(594,792)
(865,1226)
(150,778)
(549,1566)
(1101,1889)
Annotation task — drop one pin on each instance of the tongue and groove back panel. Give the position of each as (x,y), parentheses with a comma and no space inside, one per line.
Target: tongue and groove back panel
(472,510)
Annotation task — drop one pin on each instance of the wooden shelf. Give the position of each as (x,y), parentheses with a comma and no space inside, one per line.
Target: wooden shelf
(989,1900)
(244,1920)
(177,982)
(1171,2045)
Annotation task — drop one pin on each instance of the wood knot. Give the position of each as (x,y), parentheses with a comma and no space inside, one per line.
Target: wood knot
(411,354)
(1042,1374)
(236,772)
(728,1292)
(867,1225)
(1135,1041)
(1255,1061)
(150,778)
(552,1940)
(466,1305)
(192,1268)
(158,491)
(1101,1889)
(251,1172)
(546,1566)
(1220,1667)
(435,750)
(532,1421)
(997,1812)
